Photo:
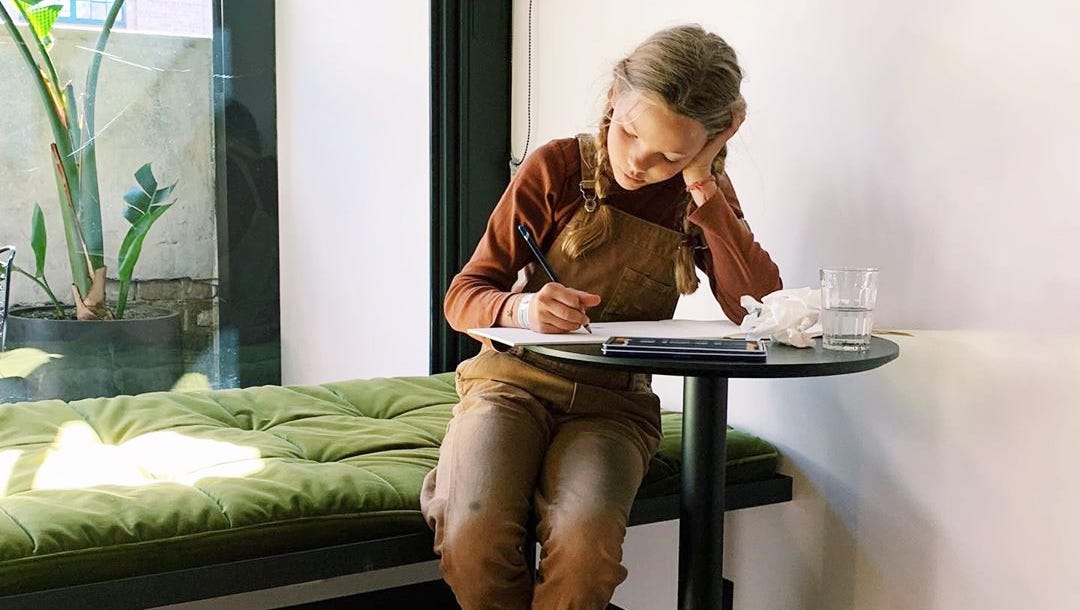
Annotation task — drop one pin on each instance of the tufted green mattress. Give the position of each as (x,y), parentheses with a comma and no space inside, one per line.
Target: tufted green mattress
(105,488)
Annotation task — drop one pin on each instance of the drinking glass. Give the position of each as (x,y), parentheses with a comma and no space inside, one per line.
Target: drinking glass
(848,296)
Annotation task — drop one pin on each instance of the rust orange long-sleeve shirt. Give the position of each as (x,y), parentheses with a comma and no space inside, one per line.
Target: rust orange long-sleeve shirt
(544,195)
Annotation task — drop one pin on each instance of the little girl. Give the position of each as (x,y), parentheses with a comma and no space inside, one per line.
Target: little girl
(625,218)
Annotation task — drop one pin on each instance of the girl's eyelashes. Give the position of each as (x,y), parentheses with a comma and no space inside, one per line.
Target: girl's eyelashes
(633,136)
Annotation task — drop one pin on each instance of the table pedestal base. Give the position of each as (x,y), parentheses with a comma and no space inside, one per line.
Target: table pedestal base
(701,524)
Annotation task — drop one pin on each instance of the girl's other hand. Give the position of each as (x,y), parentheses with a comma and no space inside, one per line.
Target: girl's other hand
(700,167)
(560,309)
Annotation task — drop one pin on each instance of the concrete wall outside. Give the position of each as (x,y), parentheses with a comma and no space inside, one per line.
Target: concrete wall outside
(154,105)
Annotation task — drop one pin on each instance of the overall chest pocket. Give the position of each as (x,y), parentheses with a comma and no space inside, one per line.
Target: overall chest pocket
(639,297)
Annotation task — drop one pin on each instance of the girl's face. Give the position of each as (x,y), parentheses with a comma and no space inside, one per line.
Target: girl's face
(648,142)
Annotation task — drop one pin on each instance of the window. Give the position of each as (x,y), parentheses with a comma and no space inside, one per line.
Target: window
(88,12)
(175,17)
(164,98)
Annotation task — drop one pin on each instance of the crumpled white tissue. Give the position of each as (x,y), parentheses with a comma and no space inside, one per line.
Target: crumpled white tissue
(788,316)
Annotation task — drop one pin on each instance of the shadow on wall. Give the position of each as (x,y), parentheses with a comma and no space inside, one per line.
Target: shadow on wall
(854,531)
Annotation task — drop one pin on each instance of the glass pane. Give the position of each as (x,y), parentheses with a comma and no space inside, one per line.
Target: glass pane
(154,116)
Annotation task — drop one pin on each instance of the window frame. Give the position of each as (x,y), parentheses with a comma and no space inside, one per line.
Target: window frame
(470,144)
(245,73)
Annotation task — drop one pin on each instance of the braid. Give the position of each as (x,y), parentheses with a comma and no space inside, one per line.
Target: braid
(719,162)
(595,227)
(602,165)
(686,279)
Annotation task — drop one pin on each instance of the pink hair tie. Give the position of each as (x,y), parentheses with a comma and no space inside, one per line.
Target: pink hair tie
(700,183)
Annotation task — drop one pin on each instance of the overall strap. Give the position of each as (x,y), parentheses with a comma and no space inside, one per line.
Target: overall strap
(587,148)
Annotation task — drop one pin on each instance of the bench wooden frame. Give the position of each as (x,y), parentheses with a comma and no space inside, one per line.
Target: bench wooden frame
(216,580)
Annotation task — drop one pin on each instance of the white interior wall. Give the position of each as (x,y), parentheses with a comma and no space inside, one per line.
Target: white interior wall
(937,141)
(354,158)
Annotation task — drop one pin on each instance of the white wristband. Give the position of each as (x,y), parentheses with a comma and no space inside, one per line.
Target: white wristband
(523,311)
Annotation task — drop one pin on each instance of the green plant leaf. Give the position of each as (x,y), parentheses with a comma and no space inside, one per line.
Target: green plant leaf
(89,198)
(132,246)
(72,117)
(38,240)
(42,16)
(138,204)
(133,241)
(145,205)
(145,177)
(130,251)
(163,194)
(146,196)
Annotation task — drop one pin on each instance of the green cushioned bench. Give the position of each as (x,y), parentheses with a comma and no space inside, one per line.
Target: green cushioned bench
(170,497)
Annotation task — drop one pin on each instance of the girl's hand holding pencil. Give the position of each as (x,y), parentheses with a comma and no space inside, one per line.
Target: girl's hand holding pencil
(559,309)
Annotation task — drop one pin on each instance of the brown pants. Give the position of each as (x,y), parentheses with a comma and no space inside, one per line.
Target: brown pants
(576,442)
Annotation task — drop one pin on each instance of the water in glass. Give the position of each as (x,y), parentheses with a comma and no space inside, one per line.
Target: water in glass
(846,328)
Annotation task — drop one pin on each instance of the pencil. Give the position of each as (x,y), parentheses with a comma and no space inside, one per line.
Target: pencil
(539,256)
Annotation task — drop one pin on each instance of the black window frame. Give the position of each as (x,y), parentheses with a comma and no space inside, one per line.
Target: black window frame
(470,146)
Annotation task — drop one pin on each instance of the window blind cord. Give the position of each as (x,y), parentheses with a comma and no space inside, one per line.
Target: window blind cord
(515,163)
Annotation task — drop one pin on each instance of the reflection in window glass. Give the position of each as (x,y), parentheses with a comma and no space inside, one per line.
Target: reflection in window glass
(154,105)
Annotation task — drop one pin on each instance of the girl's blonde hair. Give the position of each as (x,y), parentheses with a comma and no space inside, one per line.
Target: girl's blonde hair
(697,75)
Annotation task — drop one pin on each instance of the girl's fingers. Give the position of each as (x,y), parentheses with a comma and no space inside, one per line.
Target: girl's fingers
(702,162)
(561,315)
(577,299)
(552,324)
(586,299)
(562,309)
(557,329)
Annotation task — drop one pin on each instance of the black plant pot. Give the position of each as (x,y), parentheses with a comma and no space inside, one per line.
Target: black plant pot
(99,357)
(13,389)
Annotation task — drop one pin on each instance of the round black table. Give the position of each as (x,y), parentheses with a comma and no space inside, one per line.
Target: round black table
(705,385)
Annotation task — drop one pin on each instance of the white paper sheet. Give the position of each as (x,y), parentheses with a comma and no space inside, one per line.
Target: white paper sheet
(678,329)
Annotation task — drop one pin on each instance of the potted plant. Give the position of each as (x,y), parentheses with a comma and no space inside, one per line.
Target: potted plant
(93,329)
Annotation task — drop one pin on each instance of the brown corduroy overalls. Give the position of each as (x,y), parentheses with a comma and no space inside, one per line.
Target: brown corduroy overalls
(570,439)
